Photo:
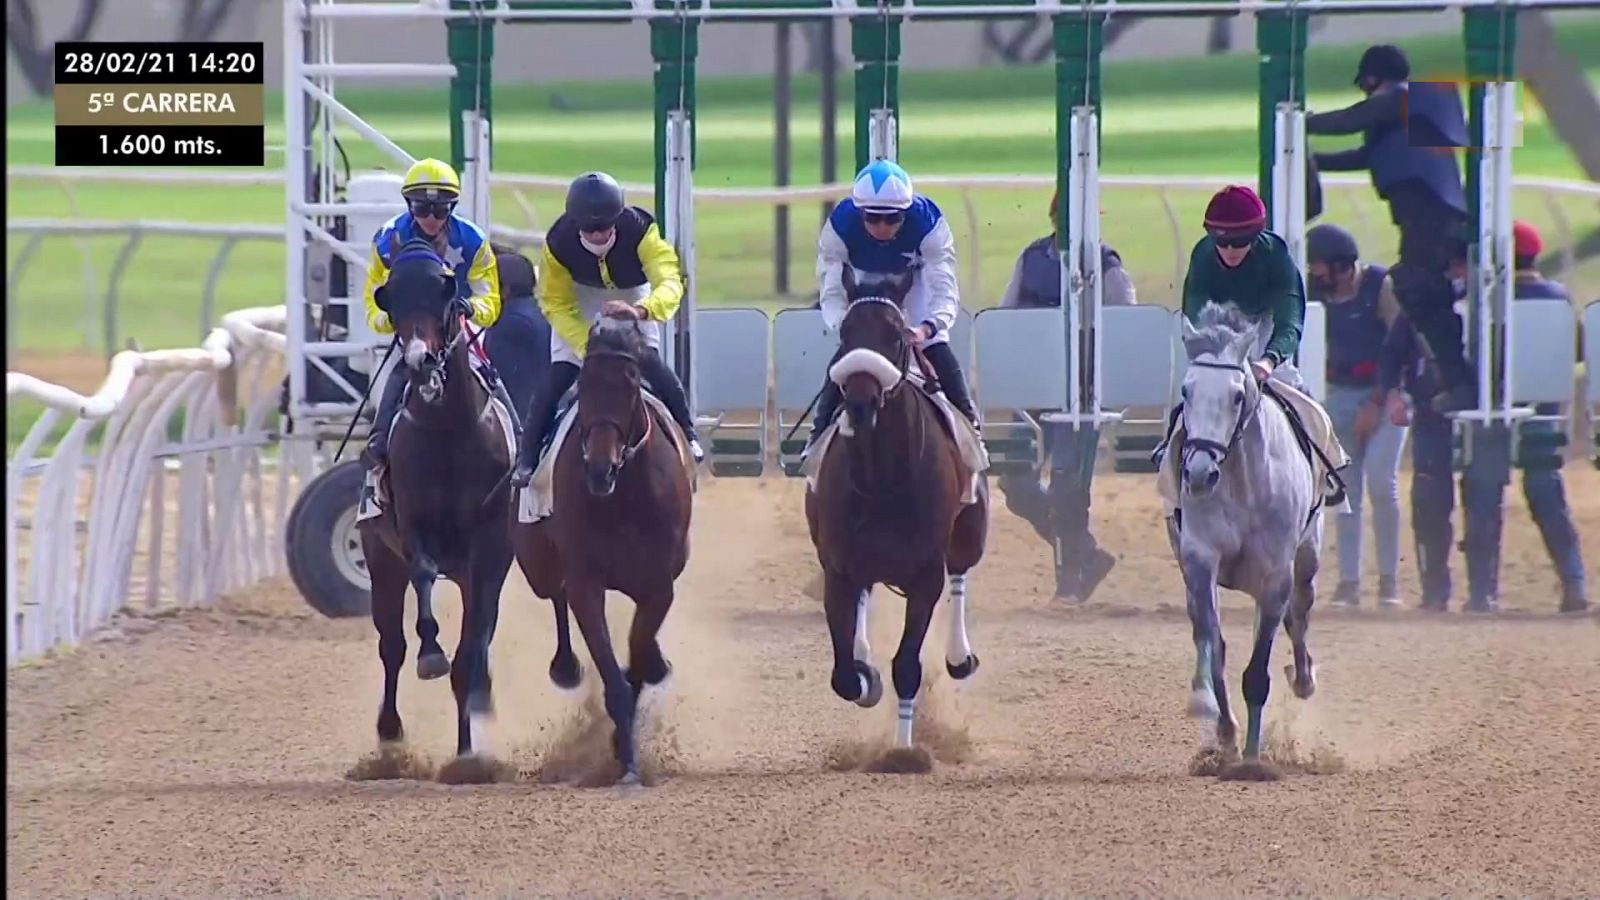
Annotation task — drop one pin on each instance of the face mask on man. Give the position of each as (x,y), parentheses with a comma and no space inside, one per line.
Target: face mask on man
(599,249)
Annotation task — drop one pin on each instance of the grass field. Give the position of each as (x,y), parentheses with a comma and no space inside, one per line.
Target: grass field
(1191,116)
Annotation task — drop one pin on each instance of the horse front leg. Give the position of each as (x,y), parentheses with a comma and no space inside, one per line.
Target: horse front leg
(922,598)
(854,678)
(389,618)
(431,661)
(469,675)
(1303,674)
(646,663)
(589,608)
(1257,678)
(959,660)
(565,670)
(1208,697)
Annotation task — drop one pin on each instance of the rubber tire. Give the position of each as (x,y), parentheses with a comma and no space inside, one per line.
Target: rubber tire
(308,540)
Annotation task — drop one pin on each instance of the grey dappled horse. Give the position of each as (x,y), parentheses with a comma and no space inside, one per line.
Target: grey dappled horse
(1251,518)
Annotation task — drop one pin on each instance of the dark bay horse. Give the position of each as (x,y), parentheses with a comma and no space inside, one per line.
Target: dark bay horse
(446,515)
(619,520)
(887,505)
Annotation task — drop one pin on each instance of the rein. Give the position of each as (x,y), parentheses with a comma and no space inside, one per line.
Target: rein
(632,449)
(1220,451)
(908,355)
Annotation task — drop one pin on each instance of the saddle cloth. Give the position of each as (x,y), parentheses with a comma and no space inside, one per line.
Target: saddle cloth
(969,444)
(375,495)
(537,500)
(1319,428)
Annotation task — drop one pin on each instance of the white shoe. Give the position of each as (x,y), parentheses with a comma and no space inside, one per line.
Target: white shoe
(697,452)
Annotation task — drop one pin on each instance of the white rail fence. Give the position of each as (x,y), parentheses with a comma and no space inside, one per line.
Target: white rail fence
(1551,193)
(175,509)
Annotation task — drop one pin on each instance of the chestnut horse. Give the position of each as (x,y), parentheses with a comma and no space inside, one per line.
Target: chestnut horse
(619,520)
(887,504)
(447,458)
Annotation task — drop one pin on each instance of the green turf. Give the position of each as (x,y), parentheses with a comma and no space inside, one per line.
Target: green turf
(1190,116)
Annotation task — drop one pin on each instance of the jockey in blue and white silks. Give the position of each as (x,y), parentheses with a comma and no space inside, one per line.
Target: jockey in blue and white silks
(884,229)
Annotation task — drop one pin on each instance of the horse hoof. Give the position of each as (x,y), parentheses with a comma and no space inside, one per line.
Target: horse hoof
(874,686)
(648,674)
(435,665)
(964,669)
(1302,689)
(390,732)
(566,674)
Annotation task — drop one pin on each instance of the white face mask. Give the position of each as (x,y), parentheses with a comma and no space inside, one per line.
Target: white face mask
(599,249)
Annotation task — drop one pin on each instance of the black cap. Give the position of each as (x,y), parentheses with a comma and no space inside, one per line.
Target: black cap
(595,201)
(1385,62)
(1330,243)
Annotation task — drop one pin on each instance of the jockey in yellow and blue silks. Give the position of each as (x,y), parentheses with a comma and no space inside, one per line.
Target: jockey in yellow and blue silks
(431,190)
(886,228)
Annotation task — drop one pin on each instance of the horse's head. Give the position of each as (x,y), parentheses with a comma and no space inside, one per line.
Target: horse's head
(612,422)
(419,297)
(875,350)
(1220,395)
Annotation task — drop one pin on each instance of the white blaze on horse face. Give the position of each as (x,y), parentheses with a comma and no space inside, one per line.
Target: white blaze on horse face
(416,352)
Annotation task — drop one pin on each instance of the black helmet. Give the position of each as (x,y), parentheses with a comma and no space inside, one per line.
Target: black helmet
(1385,62)
(1331,244)
(594,201)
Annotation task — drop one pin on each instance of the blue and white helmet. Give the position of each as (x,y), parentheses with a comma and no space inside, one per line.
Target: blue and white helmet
(882,187)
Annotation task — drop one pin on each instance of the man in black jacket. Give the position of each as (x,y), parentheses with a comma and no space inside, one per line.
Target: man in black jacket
(1409,130)
(519,342)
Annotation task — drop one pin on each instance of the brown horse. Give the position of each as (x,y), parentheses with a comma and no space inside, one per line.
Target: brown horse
(619,520)
(447,458)
(887,505)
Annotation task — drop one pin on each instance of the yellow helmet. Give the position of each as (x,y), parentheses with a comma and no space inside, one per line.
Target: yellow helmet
(431,179)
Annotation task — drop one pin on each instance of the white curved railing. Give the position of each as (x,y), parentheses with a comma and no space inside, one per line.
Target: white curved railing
(86,518)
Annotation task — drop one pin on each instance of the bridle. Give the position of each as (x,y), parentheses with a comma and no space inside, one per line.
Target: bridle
(1219,451)
(631,449)
(903,364)
(432,366)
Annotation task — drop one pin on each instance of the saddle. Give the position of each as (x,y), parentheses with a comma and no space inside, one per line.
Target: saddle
(1334,490)
(536,501)
(375,490)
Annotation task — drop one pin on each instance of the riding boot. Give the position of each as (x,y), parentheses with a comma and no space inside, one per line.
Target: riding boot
(664,383)
(541,411)
(1160,452)
(948,370)
(394,389)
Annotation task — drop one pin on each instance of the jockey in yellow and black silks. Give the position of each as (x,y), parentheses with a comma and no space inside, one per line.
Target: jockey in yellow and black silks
(603,257)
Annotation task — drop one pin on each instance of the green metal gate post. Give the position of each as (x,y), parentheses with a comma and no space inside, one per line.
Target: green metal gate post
(1078,41)
(1281,41)
(674,46)
(470,44)
(875,43)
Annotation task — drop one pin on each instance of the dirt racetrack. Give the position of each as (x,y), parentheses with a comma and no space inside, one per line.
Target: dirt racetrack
(205,754)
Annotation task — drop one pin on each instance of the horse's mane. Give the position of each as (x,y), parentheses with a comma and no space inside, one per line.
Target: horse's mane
(1218,327)
(418,247)
(616,336)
